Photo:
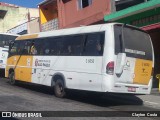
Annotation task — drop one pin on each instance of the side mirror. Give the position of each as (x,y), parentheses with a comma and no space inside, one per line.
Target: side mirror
(120,62)
(158,76)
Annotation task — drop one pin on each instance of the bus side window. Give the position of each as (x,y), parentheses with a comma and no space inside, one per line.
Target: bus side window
(60,47)
(38,47)
(20,47)
(32,49)
(72,45)
(53,46)
(77,44)
(67,48)
(47,50)
(26,48)
(13,49)
(94,45)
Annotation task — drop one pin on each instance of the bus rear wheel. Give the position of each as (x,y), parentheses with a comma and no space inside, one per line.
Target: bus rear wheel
(59,89)
(12,78)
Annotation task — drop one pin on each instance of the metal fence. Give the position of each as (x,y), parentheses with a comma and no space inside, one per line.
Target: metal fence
(51,25)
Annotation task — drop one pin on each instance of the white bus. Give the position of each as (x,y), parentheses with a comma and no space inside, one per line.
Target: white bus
(111,57)
(4,46)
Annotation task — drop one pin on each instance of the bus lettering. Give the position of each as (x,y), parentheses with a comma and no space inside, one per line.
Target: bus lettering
(89,60)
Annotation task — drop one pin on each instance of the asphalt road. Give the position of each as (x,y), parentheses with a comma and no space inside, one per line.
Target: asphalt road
(29,97)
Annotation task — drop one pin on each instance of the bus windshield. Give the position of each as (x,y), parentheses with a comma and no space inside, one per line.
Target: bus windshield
(136,44)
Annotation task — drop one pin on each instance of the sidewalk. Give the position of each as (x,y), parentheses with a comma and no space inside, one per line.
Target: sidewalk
(155,91)
(151,100)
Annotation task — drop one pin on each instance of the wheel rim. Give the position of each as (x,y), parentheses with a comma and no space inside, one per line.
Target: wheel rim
(60,89)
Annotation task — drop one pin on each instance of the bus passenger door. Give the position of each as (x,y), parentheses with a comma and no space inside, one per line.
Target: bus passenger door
(37,60)
(23,62)
(37,69)
(23,69)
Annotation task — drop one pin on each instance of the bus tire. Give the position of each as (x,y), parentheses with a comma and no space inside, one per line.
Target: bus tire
(59,89)
(12,78)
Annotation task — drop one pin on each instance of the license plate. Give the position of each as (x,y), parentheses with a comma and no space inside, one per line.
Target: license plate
(131,89)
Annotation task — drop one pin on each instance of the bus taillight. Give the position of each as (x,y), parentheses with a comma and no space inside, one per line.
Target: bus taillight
(110,68)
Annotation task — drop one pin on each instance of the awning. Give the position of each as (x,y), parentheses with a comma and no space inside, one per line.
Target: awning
(151,27)
(153,4)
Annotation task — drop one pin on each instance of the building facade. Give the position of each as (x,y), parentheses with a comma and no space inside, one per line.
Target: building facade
(57,14)
(28,27)
(145,15)
(13,15)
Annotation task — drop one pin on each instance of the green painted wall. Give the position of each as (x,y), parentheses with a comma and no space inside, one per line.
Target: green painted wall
(143,18)
(140,15)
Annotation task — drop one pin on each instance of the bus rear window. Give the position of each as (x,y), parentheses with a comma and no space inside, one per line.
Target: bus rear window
(136,42)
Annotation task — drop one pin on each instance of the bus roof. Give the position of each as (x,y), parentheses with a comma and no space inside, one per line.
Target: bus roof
(67,31)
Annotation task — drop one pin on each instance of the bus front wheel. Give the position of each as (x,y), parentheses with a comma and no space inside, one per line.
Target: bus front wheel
(59,89)
(12,78)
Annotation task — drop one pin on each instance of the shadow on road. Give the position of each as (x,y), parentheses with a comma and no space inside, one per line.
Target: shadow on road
(35,87)
(103,100)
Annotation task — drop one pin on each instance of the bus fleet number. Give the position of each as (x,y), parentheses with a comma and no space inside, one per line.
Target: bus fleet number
(89,60)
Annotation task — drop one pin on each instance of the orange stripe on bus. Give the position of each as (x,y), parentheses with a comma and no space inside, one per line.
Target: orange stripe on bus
(23,69)
(143,71)
(24,37)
